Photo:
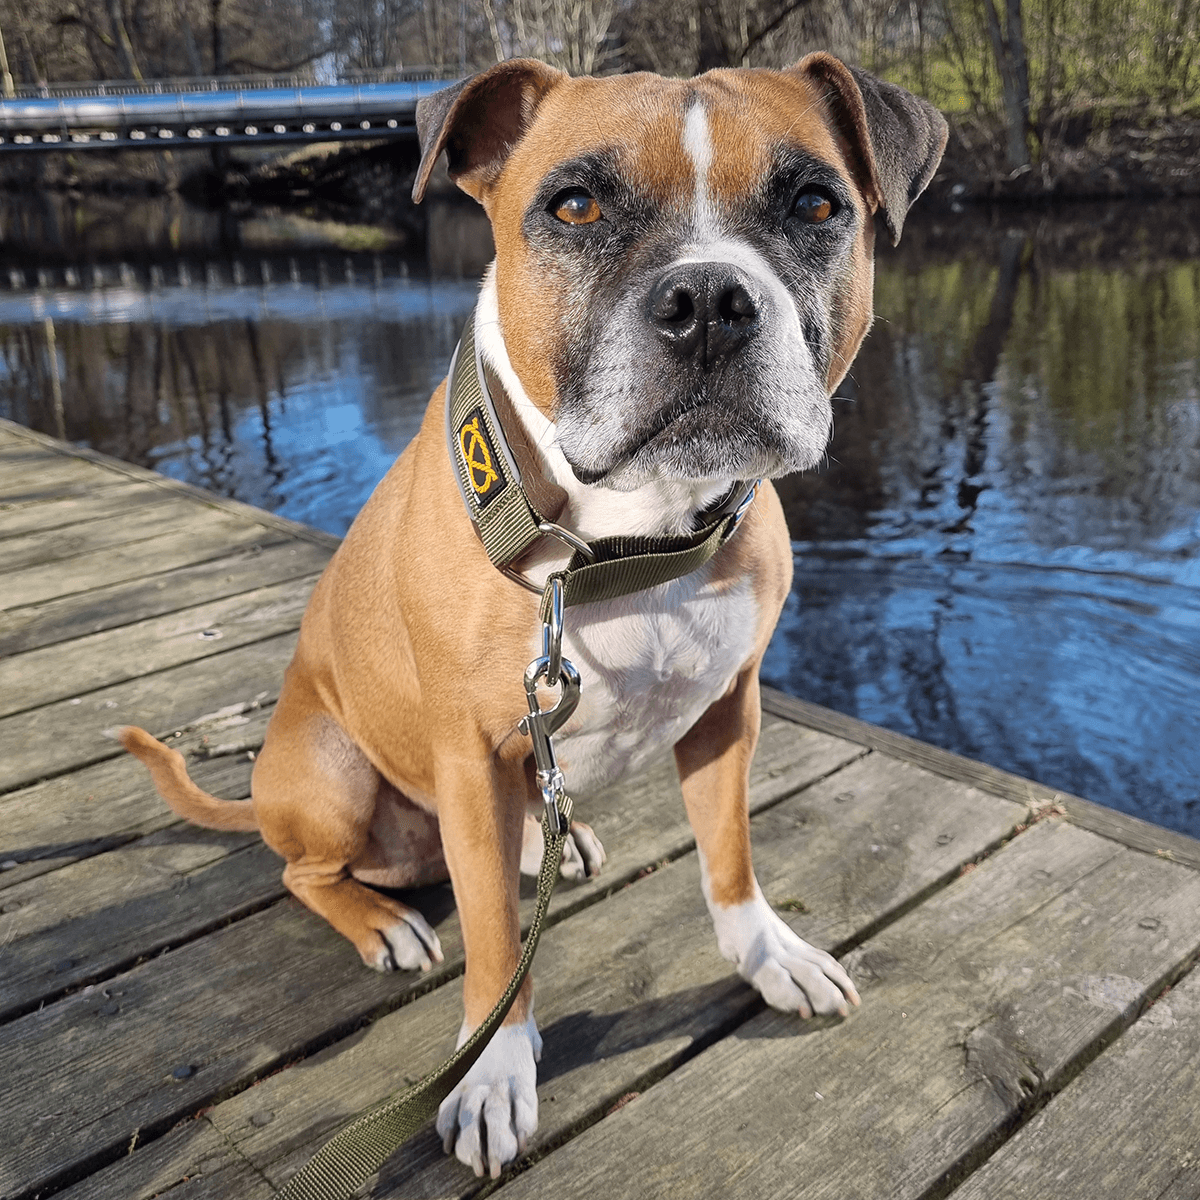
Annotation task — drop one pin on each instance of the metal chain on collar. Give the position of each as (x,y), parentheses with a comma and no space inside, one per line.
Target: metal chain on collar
(352,1156)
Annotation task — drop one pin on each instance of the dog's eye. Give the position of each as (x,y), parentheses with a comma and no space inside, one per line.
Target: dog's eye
(575,207)
(813,207)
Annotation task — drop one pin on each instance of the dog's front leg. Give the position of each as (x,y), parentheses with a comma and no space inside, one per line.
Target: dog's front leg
(490,1115)
(714,770)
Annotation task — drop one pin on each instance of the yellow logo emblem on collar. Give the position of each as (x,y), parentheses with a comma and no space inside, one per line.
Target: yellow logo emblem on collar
(478,456)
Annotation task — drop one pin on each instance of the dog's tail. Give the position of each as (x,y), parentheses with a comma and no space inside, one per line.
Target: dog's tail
(170,776)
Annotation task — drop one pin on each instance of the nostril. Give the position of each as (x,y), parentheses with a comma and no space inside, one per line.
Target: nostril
(736,306)
(674,306)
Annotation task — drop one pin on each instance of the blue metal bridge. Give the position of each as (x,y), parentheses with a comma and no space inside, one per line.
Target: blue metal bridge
(228,112)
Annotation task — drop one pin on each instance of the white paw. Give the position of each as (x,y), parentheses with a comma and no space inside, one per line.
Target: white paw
(583,855)
(493,1111)
(790,974)
(407,945)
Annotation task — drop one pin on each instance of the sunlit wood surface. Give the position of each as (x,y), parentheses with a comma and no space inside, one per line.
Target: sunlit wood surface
(171,1022)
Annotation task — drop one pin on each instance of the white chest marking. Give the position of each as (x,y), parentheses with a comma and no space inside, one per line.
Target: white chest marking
(650,664)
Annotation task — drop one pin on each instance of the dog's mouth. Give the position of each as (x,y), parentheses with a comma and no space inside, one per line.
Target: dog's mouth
(676,423)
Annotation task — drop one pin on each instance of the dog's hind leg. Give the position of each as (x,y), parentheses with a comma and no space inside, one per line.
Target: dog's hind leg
(315,797)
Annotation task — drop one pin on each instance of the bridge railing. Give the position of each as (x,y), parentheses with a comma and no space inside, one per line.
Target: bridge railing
(229,83)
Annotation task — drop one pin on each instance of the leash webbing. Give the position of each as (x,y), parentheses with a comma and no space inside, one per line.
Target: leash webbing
(352,1156)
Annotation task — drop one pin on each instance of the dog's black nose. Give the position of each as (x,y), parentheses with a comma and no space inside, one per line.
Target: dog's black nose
(702,310)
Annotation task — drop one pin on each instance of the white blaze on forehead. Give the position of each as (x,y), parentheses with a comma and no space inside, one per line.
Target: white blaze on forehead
(697,142)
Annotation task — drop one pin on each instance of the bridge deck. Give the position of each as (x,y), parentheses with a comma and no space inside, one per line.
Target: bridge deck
(170,1021)
(158,119)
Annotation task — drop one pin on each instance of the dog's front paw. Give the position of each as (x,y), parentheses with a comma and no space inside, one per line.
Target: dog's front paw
(790,974)
(583,855)
(494,1109)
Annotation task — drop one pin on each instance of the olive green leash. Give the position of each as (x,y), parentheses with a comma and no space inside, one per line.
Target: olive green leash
(352,1156)
(503,503)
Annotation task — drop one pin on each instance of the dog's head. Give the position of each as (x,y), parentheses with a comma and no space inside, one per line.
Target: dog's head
(684,267)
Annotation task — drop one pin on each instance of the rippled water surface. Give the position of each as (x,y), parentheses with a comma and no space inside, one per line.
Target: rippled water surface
(1002,556)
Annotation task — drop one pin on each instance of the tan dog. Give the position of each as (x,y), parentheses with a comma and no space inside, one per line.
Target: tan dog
(683,274)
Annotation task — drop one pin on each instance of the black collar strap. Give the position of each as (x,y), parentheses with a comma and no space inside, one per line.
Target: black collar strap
(499,499)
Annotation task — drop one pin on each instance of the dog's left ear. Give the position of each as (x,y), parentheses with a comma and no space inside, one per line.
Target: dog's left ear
(894,139)
(479,121)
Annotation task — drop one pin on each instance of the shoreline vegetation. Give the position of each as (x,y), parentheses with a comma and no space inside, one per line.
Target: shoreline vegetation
(1048,100)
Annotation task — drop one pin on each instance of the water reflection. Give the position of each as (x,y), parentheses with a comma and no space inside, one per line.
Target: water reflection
(295,397)
(1002,558)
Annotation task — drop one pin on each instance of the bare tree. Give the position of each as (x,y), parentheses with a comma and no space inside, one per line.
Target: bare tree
(1008,48)
(573,35)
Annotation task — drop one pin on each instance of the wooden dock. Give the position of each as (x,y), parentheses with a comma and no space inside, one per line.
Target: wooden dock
(172,1023)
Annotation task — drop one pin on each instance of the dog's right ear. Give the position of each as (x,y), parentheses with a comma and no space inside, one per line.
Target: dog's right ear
(479,121)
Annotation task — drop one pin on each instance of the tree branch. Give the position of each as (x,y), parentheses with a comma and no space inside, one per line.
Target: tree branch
(772,25)
(278,68)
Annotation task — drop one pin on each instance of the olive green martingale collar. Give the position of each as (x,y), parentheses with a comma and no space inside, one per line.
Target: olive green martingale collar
(512,506)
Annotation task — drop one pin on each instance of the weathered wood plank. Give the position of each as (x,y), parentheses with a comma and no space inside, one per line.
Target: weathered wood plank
(192,1158)
(230,1002)
(154,516)
(120,604)
(1127,1127)
(102,915)
(38,475)
(33,494)
(202,534)
(160,1041)
(39,677)
(116,467)
(974,1005)
(8,439)
(1121,827)
(115,497)
(11,437)
(64,736)
(627,987)
(62,820)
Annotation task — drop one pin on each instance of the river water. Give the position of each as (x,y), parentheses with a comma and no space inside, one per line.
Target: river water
(1002,556)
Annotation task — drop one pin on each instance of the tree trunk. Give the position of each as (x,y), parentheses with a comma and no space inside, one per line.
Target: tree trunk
(712,51)
(1008,48)
(218,46)
(123,46)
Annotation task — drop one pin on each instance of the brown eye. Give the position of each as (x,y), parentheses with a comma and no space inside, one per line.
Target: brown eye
(813,208)
(576,208)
